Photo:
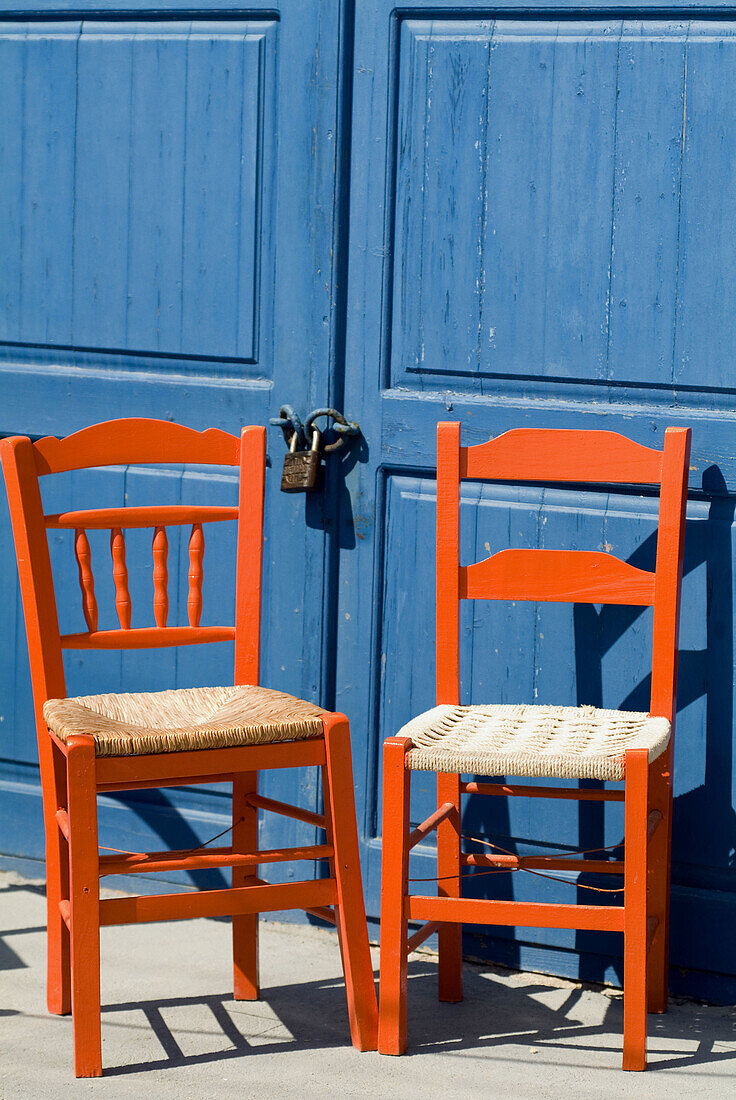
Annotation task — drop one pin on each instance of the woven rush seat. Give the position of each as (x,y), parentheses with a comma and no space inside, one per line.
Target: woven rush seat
(547,741)
(184,719)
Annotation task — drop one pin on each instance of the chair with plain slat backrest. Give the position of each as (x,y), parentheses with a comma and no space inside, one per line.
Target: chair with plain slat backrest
(541,741)
(115,742)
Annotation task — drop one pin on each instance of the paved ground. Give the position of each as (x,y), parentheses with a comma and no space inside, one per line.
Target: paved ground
(171,1029)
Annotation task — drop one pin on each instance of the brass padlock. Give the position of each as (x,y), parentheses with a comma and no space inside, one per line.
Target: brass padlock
(301,468)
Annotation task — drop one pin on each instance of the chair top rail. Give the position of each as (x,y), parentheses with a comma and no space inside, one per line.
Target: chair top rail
(171,515)
(127,441)
(562,454)
(557,576)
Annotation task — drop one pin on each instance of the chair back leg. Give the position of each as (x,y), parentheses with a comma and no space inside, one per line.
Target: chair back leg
(450,936)
(58,980)
(660,798)
(636,843)
(245,927)
(349,906)
(84,902)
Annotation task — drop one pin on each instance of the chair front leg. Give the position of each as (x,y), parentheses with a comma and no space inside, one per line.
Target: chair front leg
(394,891)
(635,909)
(245,928)
(450,936)
(352,928)
(84,900)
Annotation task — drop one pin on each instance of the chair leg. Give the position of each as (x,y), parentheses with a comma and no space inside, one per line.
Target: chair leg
(58,980)
(84,898)
(659,887)
(245,928)
(635,909)
(394,891)
(450,936)
(351,923)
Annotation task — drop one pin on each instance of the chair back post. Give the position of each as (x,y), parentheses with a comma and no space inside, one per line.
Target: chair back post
(249,555)
(448,563)
(668,571)
(36,583)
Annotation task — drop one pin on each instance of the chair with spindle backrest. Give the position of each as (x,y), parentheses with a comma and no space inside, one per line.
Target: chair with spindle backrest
(541,741)
(114,742)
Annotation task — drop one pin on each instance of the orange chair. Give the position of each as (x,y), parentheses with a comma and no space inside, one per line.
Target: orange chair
(567,742)
(189,736)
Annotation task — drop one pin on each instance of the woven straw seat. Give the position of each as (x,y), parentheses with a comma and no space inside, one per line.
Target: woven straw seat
(184,719)
(564,742)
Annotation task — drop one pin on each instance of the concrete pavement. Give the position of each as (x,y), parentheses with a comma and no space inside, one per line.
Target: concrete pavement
(171,1029)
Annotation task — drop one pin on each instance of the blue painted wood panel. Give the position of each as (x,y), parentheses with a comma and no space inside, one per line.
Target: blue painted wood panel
(169,186)
(139,184)
(540,213)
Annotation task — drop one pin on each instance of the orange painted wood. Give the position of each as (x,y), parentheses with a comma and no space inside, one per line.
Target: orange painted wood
(584,866)
(72,776)
(58,945)
(120,577)
(350,916)
(84,906)
(246,983)
(197,859)
(249,556)
(323,913)
(448,557)
(86,577)
(153,515)
(578,794)
(122,442)
(260,898)
(658,864)
(273,806)
(62,820)
(635,910)
(561,454)
(551,456)
(160,550)
(209,762)
(422,934)
(576,576)
(449,885)
(522,914)
(196,575)
(430,824)
(394,890)
(148,637)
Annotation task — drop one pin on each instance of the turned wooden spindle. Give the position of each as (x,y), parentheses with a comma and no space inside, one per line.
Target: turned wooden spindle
(83,555)
(196,574)
(120,576)
(160,576)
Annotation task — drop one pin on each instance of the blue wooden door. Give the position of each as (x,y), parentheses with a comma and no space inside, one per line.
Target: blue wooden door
(167,201)
(542,214)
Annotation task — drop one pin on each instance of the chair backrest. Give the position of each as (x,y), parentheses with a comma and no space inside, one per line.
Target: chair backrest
(575,576)
(125,442)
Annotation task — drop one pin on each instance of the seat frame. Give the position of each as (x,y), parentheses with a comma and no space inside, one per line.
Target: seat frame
(72,775)
(548,456)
